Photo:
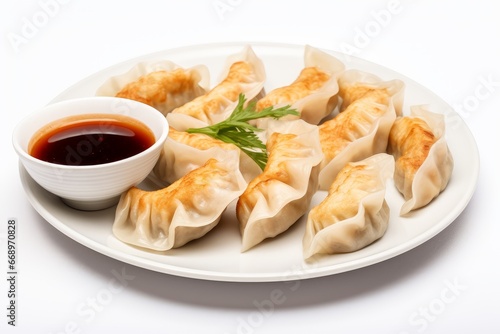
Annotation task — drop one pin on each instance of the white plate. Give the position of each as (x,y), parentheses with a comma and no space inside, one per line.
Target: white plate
(216,256)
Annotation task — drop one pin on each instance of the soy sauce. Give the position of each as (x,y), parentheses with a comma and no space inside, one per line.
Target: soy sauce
(91,139)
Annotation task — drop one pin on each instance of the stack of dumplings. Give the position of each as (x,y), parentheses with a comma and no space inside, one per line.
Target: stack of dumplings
(350,142)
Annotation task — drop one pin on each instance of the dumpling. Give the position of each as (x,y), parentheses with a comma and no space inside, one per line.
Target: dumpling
(358,132)
(355,213)
(424,163)
(183,152)
(162,85)
(245,75)
(314,92)
(355,84)
(186,210)
(279,196)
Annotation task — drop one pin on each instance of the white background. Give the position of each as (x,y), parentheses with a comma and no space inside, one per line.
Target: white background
(450,47)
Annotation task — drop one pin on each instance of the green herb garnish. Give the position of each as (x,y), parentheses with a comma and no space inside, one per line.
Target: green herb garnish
(236,130)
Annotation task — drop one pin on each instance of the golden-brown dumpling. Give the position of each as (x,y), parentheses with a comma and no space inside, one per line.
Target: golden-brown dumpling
(314,92)
(310,80)
(245,75)
(186,210)
(355,213)
(423,160)
(162,85)
(183,152)
(279,196)
(358,132)
(355,85)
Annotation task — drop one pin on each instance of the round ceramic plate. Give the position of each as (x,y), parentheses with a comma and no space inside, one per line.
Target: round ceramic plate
(217,255)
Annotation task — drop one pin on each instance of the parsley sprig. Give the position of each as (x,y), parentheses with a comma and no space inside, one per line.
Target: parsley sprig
(236,129)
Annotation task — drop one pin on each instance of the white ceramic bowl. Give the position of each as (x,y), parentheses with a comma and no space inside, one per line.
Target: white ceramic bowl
(91,187)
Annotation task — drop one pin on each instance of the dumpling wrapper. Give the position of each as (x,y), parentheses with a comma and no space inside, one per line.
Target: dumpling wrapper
(355,84)
(160,84)
(357,133)
(186,210)
(278,197)
(183,152)
(313,93)
(355,213)
(424,163)
(244,74)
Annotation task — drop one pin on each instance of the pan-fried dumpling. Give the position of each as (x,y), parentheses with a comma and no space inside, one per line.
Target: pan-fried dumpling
(278,197)
(314,92)
(183,152)
(357,133)
(186,210)
(355,84)
(355,213)
(162,84)
(245,75)
(423,160)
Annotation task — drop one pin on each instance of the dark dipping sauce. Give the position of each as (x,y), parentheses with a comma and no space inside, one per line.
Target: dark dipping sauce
(90,139)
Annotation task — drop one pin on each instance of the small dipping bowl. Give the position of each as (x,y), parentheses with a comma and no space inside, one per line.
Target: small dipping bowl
(91,187)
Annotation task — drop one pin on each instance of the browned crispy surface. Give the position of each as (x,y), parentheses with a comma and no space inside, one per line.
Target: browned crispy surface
(309,80)
(410,140)
(218,98)
(344,195)
(165,201)
(154,87)
(351,124)
(198,140)
(280,148)
(351,93)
